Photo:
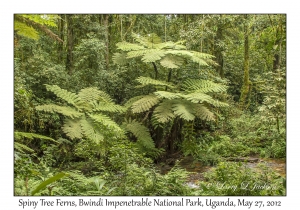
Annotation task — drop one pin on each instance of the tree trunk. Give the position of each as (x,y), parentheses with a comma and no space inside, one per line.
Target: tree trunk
(70,44)
(60,47)
(218,51)
(246,84)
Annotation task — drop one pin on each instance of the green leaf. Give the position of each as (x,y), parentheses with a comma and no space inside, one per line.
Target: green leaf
(145,103)
(47,182)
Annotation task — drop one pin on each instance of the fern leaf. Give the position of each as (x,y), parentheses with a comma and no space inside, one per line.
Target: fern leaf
(22,148)
(171,61)
(69,97)
(204,86)
(93,94)
(90,132)
(150,81)
(136,53)
(126,46)
(203,113)
(72,129)
(108,107)
(119,58)
(67,111)
(202,97)
(163,112)
(141,133)
(129,103)
(168,95)
(183,110)
(145,103)
(21,135)
(153,55)
(107,122)
(183,53)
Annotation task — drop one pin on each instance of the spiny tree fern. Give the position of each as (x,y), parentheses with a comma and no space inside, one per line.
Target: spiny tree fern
(189,103)
(151,49)
(86,117)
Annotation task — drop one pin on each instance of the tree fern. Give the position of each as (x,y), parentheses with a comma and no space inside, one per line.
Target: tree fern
(168,95)
(145,103)
(171,61)
(202,97)
(93,94)
(22,148)
(119,58)
(203,113)
(107,122)
(126,46)
(21,135)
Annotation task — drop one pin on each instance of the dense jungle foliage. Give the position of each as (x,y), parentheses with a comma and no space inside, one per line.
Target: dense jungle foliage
(110,104)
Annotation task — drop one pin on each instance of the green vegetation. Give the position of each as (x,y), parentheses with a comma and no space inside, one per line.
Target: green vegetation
(110,104)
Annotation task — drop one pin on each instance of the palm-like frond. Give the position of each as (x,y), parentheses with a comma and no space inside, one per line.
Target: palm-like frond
(204,86)
(69,97)
(72,128)
(126,46)
(145,103)
(64,110)
(163,112)
(184,110)
(107,122)
(91,131)
(203,113)
(150,81)
(168,95)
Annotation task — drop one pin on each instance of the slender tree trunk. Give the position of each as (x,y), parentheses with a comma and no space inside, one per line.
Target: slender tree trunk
(106,40)
(246,84)
(218,51)
(70,44)
(278,42)
(60,47)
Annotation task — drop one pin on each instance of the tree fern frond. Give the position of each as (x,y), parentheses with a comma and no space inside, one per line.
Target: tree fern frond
(90,131)
(184,110)
(168,95)
(153,55)
(72,129)
(93,94)
(108,107)
(163,112)
(141,133)
(119,58)
(22,148)
(129,103)
(203,113)
(204,86)
(107,122)
(126,46)
(20,135)
(150,81)
(183,53)
(136,53)
(199,97)
(171,61)
(69,97)
(64,110)
(144,104)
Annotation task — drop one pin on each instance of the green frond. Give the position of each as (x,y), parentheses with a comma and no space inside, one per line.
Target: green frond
(93,94)
(69,97)
(171,61)
(184,110)
(150,81)
(144,104)
(153,55)
(148,41)
(199,97)
(183,53)
(107,122)
(25,30)
(119,58)
(141,133)
(64,110)
(90,131)
(108,107)
(168,95)
(136,53)
(203,113)
(126,46)
(22,148)
(72,129)
(204,86)
(129,103)
(21,135)
(163,112)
